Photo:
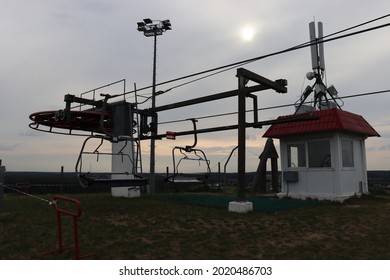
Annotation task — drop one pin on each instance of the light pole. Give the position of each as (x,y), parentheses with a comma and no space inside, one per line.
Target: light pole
(153,28)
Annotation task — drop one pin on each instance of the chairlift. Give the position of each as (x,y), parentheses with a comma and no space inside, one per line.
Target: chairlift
(189,153)
(89,179)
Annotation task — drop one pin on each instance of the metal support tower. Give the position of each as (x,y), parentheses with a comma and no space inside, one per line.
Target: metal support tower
(153,28)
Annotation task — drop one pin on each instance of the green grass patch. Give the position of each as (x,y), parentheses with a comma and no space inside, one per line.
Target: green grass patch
(166,227)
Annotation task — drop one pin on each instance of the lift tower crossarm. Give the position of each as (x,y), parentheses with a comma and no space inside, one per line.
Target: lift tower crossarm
(266,84)
(203,99)
(278,85)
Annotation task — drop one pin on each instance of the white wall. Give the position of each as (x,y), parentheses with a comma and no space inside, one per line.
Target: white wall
(334,182)
(123,164)
(354,180)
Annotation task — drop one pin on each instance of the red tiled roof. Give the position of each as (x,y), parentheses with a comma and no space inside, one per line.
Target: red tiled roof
(328,121)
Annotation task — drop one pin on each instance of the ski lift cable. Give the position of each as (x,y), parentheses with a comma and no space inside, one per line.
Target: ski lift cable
(234,65)
(29,195)
(289,49)
(227,67)
(274,107)
(293,48)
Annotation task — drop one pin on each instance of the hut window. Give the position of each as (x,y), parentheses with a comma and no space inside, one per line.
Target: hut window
(347,153)
(319,153)
(296,155)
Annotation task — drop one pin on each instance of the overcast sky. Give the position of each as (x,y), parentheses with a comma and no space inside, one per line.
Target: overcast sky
(50,48)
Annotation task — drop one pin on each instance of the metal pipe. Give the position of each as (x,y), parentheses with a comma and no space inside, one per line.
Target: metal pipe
(107,85)
(226,163)
(208,98)
(152,175)
(241,138)
(300,117)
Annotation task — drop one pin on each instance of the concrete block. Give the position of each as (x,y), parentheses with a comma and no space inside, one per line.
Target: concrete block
(126,191)
(240,206)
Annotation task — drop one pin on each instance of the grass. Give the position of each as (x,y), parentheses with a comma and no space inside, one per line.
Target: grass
(154,228)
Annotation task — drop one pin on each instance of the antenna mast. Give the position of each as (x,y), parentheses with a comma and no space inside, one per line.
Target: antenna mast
(317,49)
(321,99)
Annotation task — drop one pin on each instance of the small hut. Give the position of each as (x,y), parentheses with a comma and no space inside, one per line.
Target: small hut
(323,158)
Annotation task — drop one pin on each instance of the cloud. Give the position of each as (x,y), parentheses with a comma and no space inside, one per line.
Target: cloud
(31,133)
(384,147)
(219,150)
(251,137)
(12,147)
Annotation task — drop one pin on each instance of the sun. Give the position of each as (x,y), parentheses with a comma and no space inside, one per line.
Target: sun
(247,33)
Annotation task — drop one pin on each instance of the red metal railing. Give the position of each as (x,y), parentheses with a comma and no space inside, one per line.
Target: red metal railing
(75,214)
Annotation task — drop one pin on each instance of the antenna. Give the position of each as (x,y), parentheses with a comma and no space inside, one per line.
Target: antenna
(321,46)
(317,49)
(313,48)
(324,98)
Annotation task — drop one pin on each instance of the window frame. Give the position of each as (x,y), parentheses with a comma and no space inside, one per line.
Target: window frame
(327,157)
(306,157)
(351,142)
(299,159)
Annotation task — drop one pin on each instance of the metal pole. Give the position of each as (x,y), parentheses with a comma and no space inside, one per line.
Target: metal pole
(2,181)
(152,176)
(59,221)
(62,179)
(219,176)
(76,238)
(241,138)
(1,198)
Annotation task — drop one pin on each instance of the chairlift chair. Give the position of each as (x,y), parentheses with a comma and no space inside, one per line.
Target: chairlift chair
(89,179)
(197,155)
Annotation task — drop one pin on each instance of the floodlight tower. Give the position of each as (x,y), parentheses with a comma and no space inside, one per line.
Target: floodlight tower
(153,28)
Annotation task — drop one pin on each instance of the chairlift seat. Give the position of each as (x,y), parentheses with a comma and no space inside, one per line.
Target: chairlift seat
(104,182)
(186,179)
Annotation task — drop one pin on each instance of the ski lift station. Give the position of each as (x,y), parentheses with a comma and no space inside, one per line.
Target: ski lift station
(323,158)
(322,147)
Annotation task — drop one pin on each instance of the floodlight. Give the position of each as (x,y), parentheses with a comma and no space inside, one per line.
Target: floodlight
(166,23)
(307,91)
(148,20)
(310,75)
(332,90)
